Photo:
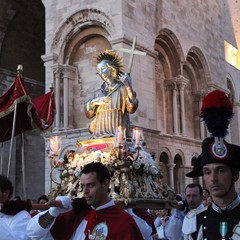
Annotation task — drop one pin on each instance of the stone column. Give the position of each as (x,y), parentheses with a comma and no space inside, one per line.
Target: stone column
(182,82)
(178,83)
(58,71)
(183,117)
(57,98)
(68,77)
(175,110)
(65,101)
(202,135)
(202,126)
(171,174)
(49,60)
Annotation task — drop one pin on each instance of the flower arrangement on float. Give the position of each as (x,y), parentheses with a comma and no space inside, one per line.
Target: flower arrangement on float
(76,161)
(144,162)
(136,176)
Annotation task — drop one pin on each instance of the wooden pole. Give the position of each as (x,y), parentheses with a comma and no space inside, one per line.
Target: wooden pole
(142,203)
(1,166)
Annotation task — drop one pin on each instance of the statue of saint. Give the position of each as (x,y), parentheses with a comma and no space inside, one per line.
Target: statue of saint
(112,103)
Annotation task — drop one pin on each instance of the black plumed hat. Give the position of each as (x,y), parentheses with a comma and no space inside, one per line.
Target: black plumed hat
(230,156)
(216,112)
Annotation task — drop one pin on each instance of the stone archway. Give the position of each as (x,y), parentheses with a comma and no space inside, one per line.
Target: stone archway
(83,58)
(75,45)
(178,174)
(75,24)
(163,162)
(169,79)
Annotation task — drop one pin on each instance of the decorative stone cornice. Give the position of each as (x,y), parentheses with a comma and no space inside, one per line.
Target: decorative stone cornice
(51,57)
(179,81)
(74,23)
(125,40)
(69,71)
(57,69)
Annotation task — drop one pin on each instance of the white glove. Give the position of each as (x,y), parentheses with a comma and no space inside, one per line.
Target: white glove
(66,203)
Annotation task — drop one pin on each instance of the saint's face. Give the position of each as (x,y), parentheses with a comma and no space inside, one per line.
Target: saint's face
(105,71)
(217,179)
(95,193)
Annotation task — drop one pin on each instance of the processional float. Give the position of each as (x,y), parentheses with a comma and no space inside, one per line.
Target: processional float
(136,177)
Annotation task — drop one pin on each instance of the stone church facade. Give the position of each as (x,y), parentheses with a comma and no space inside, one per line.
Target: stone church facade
(185,45)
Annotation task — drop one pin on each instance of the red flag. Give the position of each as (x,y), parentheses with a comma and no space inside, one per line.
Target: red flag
(27,117)
(45,107)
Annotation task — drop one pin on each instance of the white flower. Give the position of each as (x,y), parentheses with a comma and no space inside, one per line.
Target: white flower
(76,157)
(77,172)
(70,171)
(64,172)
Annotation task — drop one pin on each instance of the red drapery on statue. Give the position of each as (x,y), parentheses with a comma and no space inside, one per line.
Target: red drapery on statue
(36,114)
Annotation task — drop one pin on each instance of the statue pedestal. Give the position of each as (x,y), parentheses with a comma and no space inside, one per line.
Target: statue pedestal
(136,177)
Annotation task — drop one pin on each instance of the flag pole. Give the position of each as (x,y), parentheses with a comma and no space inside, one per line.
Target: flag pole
(12,138)
(19,71)
(23,166)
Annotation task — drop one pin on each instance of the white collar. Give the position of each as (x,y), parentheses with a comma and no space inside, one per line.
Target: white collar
(108,204)
(228,208)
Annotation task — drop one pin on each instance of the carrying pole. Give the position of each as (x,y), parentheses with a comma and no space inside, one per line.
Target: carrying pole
(1,164)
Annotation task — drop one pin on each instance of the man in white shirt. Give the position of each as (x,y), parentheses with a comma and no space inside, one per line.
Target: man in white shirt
(14,215)
(194,196)
(93,217)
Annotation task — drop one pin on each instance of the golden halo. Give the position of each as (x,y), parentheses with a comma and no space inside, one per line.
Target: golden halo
(114,58)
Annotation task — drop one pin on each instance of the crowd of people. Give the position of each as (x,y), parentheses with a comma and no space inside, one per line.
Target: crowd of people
(95,216)
(169,222)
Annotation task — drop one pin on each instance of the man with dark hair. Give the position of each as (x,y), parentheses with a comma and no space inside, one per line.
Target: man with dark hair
(14,215)
(43,199)
(6,188)
(95,216)
(219,165)
(194,196)
(220,218)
